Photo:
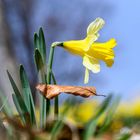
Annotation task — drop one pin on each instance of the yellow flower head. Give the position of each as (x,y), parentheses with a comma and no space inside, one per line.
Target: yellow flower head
(91,52)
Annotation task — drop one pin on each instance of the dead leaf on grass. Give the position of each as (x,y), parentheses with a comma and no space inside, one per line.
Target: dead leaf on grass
(51,91)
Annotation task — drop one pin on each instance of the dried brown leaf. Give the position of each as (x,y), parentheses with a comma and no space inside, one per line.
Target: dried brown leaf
(51,91)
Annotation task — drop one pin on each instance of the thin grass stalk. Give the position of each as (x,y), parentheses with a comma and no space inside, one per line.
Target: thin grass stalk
(56,100)
(49,73)
(50,62)
(42,101)
(41,74)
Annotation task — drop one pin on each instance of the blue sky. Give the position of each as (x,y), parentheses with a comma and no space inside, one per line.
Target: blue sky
(124,25)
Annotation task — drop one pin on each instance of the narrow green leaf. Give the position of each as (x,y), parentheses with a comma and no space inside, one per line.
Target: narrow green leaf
(13,84)
(92,124)
(104,105)
(53,78)
(49,68)
(50,62)
(90,129)
(42,111)
(25,88)
(40,66)
(36,41)
(42,44)
(3,104)
(33,115)
(27,95)
(60,120)
(125,136)
(57,128)
(38,60)
(42,78)
(109,116)
(19,110)
(6,108)
(56,100)
(19,98)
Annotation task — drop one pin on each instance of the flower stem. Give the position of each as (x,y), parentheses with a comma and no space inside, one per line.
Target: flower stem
(50,62)
(56,106)
(49,74)
(50,65)
(56,100)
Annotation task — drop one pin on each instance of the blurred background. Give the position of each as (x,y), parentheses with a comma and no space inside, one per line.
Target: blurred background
(65,20)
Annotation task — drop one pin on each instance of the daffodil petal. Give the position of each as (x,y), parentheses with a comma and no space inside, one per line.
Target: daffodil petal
(104,51)
(109,62)
(91,64)
(86,79)
(90,40)
(92,31)
(95,26)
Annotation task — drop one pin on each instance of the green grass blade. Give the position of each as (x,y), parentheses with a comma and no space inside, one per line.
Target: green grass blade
(40,66)
(53,78)
(36,41)
(13,84)
(17,93)
(3,104)
(19,110)
(42,78)
(60,120)
(38,60)
(42,111)
(19,98)
(6,108)
(125,137)
(90,130)
(50,62)
(27,95)
(42,44)
(57,128)
(49,68)
(109,116)
(42,50)
(104,105)
(92,124)
(56,99)
(25,88)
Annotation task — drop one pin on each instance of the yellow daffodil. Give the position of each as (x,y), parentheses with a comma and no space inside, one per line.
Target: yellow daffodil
(91,52)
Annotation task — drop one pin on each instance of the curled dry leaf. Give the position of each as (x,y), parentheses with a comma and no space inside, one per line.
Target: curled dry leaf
(51,91)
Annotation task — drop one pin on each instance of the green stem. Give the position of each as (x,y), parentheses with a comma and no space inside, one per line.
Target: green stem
(56,100)
(56,106)
(50,62)
(43,102)
(50,65)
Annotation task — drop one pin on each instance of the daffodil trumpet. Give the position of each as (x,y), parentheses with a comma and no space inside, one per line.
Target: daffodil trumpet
(92,52)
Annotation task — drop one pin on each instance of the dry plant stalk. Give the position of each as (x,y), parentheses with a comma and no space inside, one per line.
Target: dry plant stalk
(51,91)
